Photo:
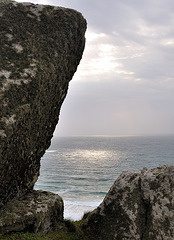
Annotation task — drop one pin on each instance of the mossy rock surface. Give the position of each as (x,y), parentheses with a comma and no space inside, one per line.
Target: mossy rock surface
(36,212)
(40,49)
(139,205)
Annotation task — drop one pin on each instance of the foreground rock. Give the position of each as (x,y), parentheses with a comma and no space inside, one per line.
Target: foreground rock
(139,205)
(37,212)
(40,49)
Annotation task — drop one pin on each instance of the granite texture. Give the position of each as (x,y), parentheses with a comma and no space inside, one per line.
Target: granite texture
(139,206)
(36,212)
(40,49)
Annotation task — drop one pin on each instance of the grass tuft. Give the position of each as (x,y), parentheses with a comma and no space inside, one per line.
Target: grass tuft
(72,231)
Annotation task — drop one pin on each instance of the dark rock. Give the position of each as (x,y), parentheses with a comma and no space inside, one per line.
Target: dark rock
(40,49)
(37,212)
(139,205)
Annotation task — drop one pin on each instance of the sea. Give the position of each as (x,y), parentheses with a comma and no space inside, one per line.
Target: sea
(81,169)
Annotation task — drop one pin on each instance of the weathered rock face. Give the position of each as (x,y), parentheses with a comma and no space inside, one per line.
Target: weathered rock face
(37,212)
(139,205)
(40,49)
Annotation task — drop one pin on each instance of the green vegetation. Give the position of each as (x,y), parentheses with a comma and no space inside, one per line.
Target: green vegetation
(72,231)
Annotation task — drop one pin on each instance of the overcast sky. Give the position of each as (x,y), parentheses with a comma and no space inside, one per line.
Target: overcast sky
(125,81)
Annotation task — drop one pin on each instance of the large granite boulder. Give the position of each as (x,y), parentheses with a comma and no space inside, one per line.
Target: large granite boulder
(139,205)
(36,212)
(40,49)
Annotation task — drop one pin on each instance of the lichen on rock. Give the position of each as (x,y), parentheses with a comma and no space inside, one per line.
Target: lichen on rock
(41,47)
(139,205)
(36,212)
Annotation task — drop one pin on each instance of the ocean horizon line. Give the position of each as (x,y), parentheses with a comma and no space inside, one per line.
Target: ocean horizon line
(115,135)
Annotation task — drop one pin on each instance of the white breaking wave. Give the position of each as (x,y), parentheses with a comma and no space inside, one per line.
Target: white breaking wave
(51,151)
(76,210)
